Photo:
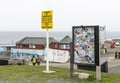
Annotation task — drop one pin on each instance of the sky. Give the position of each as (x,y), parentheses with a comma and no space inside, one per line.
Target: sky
(25,15)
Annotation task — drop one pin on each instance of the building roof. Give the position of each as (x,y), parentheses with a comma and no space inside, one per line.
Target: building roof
(66,39)
(36,40)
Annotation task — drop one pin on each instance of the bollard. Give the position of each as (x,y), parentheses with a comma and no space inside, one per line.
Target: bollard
(119,55)
(23,62)
(116,55)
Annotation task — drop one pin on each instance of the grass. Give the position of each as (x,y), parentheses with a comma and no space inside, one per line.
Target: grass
(34,74)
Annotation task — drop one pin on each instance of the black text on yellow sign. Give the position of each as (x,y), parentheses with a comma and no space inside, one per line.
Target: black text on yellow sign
(47,20)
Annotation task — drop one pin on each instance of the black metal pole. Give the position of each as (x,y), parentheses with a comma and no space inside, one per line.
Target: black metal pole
(116,55)
(71,60)
(119,55)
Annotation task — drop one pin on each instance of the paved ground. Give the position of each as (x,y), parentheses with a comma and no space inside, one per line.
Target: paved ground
(114,66)
(63,65)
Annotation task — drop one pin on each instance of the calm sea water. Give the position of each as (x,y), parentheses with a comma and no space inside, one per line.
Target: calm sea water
(13,37)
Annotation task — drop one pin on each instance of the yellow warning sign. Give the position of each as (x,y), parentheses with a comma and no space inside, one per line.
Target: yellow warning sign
(47,19)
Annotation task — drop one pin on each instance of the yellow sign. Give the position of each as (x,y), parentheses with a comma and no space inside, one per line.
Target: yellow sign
(47,20)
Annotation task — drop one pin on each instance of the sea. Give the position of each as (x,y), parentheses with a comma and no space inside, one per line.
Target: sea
(11,37)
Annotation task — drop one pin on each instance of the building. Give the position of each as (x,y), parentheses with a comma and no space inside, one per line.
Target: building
(64,43)
(35,43)
(40,43)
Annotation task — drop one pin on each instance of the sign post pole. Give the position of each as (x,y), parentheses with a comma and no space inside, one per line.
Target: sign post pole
(98,73)
(71,59)
(47,24)
(97,57)
(47,50)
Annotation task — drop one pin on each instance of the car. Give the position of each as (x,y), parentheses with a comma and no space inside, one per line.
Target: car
(117,43)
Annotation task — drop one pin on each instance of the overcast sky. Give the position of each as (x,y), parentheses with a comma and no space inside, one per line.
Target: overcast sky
(25,15)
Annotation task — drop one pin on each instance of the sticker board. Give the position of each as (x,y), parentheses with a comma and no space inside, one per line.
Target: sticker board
(86,45)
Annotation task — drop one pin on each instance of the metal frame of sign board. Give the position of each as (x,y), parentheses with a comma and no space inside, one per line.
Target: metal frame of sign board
(95,45)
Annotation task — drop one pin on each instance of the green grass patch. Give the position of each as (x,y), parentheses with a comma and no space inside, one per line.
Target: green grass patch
(34,74)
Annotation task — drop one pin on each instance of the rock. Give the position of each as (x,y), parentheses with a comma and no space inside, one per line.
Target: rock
(83,75)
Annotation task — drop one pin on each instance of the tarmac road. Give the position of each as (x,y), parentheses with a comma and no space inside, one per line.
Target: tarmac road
(114,66)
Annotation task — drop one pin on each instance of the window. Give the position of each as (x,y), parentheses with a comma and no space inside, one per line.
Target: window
(68,46)
(20,46)
(56,45)
(63,46)
(32,46)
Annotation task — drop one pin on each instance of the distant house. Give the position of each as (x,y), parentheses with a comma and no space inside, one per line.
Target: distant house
(35,43)
(64,44)
(40,43)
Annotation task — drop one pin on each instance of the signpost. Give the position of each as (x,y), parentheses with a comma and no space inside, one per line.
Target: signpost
(47,23)
(47,19)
